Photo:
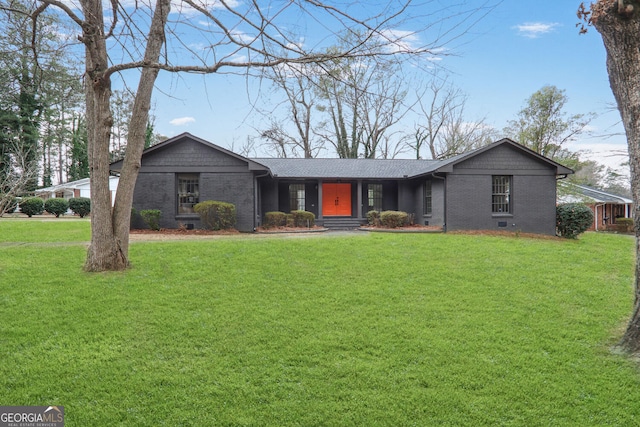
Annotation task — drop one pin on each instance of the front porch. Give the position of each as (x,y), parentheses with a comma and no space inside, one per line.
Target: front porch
(336,204)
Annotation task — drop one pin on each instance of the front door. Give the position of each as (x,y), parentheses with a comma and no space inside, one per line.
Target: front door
(336,199)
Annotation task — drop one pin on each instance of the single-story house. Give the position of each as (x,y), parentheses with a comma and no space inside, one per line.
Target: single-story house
(606,207)
(79,188)
(502,186)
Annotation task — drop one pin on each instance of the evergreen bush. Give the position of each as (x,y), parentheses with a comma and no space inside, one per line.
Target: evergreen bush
(216,215)
(81,206)
(303,219)
(624,225)
(56,206)
(275,219)
(32,206)
(151,217)
(573,219)
(373,218)
(289,220)
(393,219)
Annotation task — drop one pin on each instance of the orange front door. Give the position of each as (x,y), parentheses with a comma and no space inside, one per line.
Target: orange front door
(336,199)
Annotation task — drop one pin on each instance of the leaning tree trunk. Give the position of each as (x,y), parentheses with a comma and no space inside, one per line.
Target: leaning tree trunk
(109,248)
(138,127)
(619,24)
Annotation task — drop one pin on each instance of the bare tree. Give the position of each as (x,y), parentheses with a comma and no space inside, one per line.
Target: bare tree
(363,99)
(238,36)
(296,83)
(382,104)
(618,22)
(443,129)
(17,172)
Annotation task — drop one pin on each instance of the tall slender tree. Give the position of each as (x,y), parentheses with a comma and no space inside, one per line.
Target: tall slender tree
(543,124)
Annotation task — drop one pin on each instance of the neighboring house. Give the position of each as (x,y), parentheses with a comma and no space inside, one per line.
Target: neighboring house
(502,186)
(606,207)
(79,188)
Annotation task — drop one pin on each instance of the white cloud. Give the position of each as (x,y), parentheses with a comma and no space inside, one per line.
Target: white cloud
(533,30)
(400,41)
(182,121)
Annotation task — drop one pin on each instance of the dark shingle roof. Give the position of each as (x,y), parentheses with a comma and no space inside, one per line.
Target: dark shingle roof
(582,193)
(348,168)
(382,169)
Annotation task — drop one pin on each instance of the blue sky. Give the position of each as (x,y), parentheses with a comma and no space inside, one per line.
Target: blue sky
(518,48)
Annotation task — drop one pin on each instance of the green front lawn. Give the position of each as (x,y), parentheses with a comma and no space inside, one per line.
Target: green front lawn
(371,329)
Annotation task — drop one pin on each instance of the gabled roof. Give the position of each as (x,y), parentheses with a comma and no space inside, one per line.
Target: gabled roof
(584,194)
(385,169)
(117,166)
(447,165)
(296,168)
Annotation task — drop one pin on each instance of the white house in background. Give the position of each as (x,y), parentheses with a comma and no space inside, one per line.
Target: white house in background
(79,188)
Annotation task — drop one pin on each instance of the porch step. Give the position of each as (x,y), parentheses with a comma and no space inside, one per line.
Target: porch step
(341,223)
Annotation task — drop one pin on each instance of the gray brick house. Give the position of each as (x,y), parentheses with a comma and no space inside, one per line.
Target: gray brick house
(500,186)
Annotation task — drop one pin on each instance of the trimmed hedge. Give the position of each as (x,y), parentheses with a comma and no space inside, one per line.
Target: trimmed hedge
(373,218)
(56,206)
(393,219)
(32,206)
(151,217)
(573,219)
(303,219)
(624,225)
(216,215)
(80,206)
(275,219)
(294,219)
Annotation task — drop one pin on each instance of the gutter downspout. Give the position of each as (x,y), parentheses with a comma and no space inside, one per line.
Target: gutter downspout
(256,198)
(444,191)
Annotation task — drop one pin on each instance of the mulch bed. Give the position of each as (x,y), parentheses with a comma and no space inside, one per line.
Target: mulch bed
(185,232)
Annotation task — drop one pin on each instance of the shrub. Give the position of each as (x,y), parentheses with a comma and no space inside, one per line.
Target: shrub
(624,225)
(56,206)
(151,217)
(32,206)
(573,219)
(275,219)
(216,215)
(393,219)
(81,206)
(303,218)
(373,218)
(289,220)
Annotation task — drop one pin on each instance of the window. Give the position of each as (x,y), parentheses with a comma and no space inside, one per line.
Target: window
(296,197)
(374,193)
(188,192)
(428,207)
(501,194)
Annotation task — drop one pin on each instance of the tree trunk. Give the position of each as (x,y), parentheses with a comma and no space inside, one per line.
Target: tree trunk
(619,26)
(138,127)
(104,251)
(109,246)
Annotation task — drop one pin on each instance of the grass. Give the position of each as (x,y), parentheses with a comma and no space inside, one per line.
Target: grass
(372,330)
